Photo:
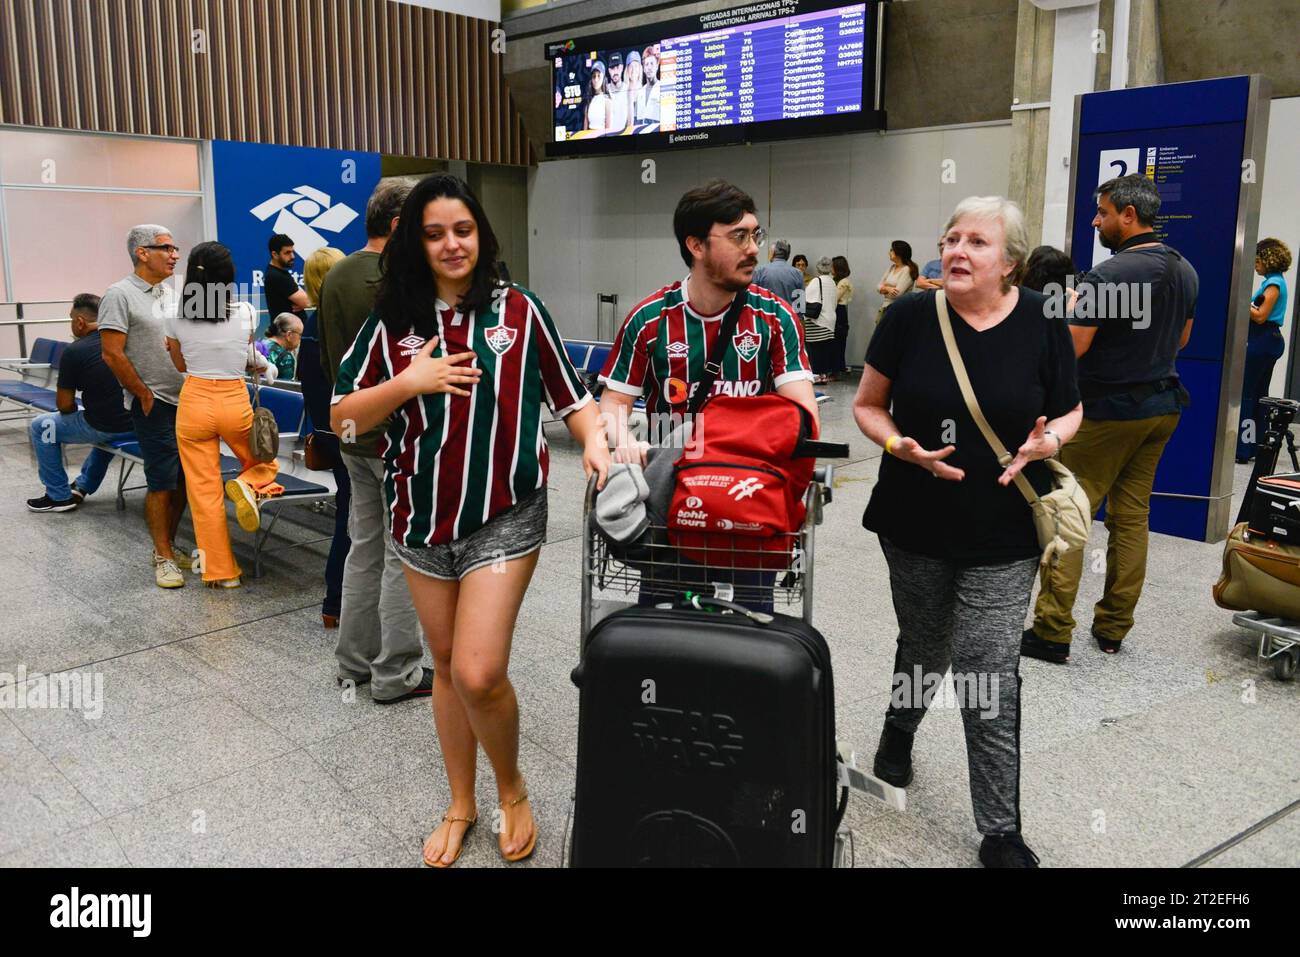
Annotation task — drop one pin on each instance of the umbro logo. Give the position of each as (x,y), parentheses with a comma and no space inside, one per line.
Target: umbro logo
(678,349)
(411,342)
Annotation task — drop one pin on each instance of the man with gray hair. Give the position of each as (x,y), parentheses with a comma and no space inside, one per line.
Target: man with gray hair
(379,635)
(1132,315)
(781,278)
(131,318)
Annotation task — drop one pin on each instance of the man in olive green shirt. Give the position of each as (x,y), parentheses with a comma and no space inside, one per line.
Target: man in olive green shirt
(379,634)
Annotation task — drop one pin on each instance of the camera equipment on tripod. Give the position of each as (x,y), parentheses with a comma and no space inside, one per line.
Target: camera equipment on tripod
(1278,414)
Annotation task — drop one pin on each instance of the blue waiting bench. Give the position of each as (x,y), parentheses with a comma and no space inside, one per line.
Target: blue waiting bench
(34,391)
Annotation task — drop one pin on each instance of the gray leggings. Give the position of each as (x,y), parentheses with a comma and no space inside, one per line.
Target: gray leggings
(970,619)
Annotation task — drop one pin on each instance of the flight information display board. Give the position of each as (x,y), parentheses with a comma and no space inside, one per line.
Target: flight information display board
(802,66)
(771,70)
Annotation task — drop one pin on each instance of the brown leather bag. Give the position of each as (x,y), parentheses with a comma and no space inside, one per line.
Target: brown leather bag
(264,437)
(320,452)
(1259,575)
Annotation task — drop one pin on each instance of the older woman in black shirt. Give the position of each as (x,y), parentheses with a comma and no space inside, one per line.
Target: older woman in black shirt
(957,533)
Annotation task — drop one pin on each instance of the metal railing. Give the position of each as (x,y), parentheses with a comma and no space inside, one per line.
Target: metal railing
(21,322)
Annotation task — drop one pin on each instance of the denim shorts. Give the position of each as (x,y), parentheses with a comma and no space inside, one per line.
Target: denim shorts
(156,434)
(514,533)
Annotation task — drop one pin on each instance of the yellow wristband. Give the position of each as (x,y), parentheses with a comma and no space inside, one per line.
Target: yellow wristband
(889,443)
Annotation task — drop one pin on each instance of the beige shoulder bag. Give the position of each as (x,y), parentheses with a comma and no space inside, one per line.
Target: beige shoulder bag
(1062,517)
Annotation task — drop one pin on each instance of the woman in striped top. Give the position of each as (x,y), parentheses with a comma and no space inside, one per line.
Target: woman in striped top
(820,301)
(463,363)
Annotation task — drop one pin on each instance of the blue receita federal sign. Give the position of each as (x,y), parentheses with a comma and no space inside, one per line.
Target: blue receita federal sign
(317,197)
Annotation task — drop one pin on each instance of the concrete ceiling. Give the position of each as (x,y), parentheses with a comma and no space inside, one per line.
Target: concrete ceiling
(946,61)
(1200,39)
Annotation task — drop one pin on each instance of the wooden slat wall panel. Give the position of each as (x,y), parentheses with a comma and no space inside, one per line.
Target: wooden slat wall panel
(344,74)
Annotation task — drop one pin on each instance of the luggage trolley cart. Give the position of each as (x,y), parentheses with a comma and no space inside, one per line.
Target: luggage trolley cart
(610,582)
(1279,641)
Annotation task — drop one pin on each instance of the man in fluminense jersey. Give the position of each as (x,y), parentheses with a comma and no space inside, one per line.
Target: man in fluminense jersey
(665,340)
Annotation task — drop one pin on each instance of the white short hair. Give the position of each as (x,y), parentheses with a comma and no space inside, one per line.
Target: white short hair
(1015,238)
(144,235)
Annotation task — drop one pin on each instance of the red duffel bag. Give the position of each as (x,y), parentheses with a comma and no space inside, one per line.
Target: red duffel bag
(740,483)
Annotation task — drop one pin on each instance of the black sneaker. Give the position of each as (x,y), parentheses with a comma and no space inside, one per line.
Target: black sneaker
(78,495)
(1006,850)
(423,690)
(47,504)
(1031,646)
(893,763)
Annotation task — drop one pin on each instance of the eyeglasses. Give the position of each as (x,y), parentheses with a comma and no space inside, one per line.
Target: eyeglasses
(165,247)
(740,237)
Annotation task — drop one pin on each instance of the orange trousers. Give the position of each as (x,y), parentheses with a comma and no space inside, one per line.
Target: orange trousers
(210,410)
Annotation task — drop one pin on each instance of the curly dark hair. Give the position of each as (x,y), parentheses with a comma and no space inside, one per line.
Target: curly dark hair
(408,291)
(1273,255)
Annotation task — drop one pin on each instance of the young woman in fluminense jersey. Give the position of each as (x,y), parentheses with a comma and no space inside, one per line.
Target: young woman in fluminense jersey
(463,363)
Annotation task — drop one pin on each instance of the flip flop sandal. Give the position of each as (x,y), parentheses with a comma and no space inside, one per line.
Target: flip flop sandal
(471,821)
(532,841)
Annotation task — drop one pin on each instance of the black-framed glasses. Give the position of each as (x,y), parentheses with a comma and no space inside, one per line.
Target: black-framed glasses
(740,237)
(165,247)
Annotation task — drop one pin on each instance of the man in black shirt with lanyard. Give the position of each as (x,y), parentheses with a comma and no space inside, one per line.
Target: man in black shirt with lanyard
(1132,315)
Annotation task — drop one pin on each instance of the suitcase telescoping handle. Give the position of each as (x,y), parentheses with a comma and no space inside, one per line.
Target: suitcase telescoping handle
(693,600)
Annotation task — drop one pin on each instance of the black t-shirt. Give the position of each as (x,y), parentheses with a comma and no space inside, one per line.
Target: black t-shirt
(82,369)
(1138,300)
(1020,369)
(278,286)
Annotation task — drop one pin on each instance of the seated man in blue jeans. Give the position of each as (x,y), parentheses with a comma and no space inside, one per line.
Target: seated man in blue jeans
(82,369)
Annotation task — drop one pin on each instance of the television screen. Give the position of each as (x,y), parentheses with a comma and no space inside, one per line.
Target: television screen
(722,77)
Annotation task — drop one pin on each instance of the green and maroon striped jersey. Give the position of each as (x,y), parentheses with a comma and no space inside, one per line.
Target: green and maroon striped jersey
(661,349)
(452,462)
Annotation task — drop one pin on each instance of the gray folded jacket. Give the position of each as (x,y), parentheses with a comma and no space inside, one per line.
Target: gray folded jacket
(620,512)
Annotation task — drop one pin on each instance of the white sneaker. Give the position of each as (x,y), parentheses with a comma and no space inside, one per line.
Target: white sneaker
(182,559)
(166,574)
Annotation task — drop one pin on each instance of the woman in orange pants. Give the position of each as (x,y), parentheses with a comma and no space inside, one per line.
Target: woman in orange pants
(209,340)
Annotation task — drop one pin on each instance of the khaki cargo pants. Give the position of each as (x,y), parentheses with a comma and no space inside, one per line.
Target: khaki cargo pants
(1115,461)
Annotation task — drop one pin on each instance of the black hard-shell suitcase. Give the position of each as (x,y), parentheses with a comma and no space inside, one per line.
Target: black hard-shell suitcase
(704,740)
(1275,508)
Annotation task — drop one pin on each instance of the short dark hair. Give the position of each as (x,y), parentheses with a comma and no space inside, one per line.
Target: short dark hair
(1047,265)
(697,211)
(86,302)
(384,205)
(1132,190)
(278,242)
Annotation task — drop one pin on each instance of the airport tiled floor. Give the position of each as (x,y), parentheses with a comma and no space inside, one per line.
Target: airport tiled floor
(224,741)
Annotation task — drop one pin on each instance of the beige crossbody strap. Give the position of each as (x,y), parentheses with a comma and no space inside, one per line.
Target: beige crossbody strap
(972,404)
